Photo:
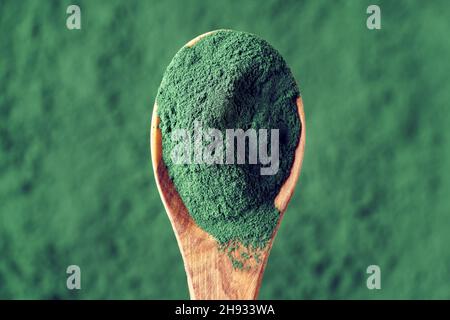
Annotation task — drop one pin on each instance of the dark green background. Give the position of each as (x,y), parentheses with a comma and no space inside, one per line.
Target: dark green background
(76,184)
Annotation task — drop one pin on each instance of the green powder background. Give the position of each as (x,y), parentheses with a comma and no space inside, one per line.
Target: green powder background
(229,80)
(76,184)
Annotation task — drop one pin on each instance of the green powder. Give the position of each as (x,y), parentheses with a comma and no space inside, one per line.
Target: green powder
(230,80)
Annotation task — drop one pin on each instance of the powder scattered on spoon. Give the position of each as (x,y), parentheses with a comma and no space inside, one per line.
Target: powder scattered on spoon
(229,79)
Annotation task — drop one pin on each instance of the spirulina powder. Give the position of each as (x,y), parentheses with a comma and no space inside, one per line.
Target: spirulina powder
(230,79)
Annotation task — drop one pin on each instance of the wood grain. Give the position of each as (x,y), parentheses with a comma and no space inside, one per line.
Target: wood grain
(210,273)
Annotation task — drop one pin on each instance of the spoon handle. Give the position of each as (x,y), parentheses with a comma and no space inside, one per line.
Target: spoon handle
(211,274)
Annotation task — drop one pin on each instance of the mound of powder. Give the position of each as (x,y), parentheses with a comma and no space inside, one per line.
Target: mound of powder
(229,79)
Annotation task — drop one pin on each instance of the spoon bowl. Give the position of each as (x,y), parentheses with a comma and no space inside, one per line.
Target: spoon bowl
(210,273)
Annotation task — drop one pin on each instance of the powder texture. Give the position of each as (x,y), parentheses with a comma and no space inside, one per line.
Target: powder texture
(230,79)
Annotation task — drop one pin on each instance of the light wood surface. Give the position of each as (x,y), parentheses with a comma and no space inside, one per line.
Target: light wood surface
(210,272)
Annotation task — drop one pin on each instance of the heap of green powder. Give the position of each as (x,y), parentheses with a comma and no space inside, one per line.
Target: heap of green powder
(230,79)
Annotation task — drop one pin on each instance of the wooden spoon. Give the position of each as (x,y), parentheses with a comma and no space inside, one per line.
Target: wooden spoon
(210,272)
